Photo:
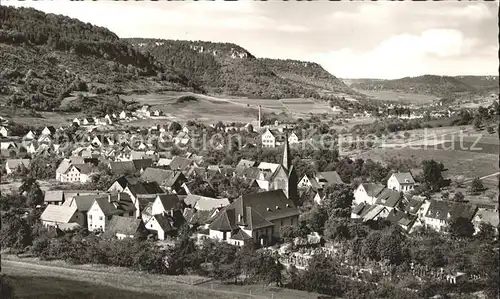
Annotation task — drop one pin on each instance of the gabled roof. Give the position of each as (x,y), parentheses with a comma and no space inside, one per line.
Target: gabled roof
(388,198)
(83,168)
(372,212)
(122,167)
(60,214)
(373,189)
(414,205)
(54,196)
(142,163)
(395,216)
(124,181)
(255,220)
(14,163)
(404,177)
(268,166)
(122,225)
(208,204)
(241,236)
(84,202)
(163,222)
(152,188)
(106,207)
(164,162)
(180,163)
(441,209)
(358,210)
(168,201)
(224,221)
(245,163)
(331,177)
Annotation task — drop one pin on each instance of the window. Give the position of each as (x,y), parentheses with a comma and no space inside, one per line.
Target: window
(90,217)
(131,213)
(100,218)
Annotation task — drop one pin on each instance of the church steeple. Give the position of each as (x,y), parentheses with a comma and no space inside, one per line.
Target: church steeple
(286,153)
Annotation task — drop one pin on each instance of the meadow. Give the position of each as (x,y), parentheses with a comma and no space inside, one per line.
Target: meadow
(411,98)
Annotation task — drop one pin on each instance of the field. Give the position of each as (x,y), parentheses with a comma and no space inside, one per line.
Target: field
(460,164)
(40,279)
(411,98)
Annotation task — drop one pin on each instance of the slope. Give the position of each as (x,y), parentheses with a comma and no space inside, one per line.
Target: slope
(426,84)
(43,57)
(230,69)
(307,75)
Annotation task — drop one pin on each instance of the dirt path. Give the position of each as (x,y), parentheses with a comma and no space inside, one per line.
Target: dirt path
(484,177)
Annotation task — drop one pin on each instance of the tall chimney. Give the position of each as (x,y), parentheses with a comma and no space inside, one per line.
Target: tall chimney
(260,115)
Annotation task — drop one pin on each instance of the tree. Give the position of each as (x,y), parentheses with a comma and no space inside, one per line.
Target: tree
(174,127)
(476,186)
(289,233)
(315,218)
(369,246)
(459,197)
(461,227)
(15,232)
(320,275)
(337,197)
(35,196)
(336,229)
(478,122)
(389,247)
(432,174)
(486,232)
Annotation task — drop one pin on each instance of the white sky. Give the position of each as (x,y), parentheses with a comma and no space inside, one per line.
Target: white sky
(349,39)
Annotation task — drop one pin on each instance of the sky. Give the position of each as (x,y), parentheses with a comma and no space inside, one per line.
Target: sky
(384,40)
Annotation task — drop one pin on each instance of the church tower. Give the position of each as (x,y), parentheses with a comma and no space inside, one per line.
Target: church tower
(292,178)
(286,154)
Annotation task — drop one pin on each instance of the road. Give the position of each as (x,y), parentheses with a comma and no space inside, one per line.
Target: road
(484,177)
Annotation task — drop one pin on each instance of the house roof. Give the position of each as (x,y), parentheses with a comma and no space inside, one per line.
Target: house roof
(388,198)
(122,225)
(159,175)
(245,163)
(208,204)
(163,221)
(142,163)
(180,163)
(63,166)
(404,177)
(106,207)
(224,221)
(168,201)
(84,202)
(488,216)
(395,216)
(60,214)
(331,177)
(441,209)
(83,168)
(414,205)
(122,167)
(152,188)
(54,195)
(124,181)
(373,189)
(372,212)
(358,210)
(14,163)
(268,166)
(241,236)
(164,162)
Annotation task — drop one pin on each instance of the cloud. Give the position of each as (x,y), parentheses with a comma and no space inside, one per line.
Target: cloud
(403,55)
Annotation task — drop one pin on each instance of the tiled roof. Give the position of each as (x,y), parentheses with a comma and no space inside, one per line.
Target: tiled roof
(404,178)
(372,212)
(163,222)
(179,163)
(241,235)
(122,167)
(373,189)
(208,204)
(169,201)
(106,207)
(60,214)
(358,210)
(122,225)
(54,195)
(63,166)
(14,163)
(331,177)
(441,209)
(142,163)
(83,168)
(414,205)
(388,198)
(245,163)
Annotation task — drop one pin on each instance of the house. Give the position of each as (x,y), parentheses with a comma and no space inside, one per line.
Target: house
(328,178)
(170,180)
(257,216)
(485,216)
(245,163)
(401,182)
(102,209)
(309,182)
(76,121)
(124,115)
(166,204)
(122,167)
(180,163)
(203,203)
(293,138)
(29,136)
(121,183)
(160,225)
(367,193)
(268,138)
(54,197)
(101,140)
(60,216)
(143,193)
(182,138)
(4,131)
(82,203)
(389,199)
(124,227)
(404,220)
(12,165)
(164,162)
(77,173)
(440,213)
(88,121)
(374,213)
(48,131)
(110,119)
(141,164)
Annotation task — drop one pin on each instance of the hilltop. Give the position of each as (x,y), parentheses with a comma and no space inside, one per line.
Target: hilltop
(46,56)
(430,84)
(230,69)
(307,75)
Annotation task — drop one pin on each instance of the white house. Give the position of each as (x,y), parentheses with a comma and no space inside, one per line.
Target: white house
(268,139)
(48,131)
(104,208)
(76,173)
(367,193)
(29,136)
(293,138)
(161,225)
(440,213)
(60,216)
(4,131)
(165,204)
(401,182)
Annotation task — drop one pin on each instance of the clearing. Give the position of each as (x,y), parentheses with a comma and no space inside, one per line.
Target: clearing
(411,98)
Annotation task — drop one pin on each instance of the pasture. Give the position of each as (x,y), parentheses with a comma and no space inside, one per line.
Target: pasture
(460,164)
(410,98)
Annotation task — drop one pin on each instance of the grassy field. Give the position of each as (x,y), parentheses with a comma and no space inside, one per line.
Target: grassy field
(460,164)
(32,278)
(411,98)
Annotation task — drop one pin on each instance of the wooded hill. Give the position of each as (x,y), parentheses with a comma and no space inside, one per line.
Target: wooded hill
(431,84)
(230,69)
(45,56)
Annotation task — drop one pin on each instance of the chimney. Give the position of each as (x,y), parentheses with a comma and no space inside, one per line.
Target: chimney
(109,197)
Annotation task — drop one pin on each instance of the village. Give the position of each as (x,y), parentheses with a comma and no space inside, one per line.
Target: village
(120,184)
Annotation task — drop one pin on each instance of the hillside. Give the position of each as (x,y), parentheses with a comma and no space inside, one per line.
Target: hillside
(481,83)
(427,84)
(230,69)
(45,56)
(307,75)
